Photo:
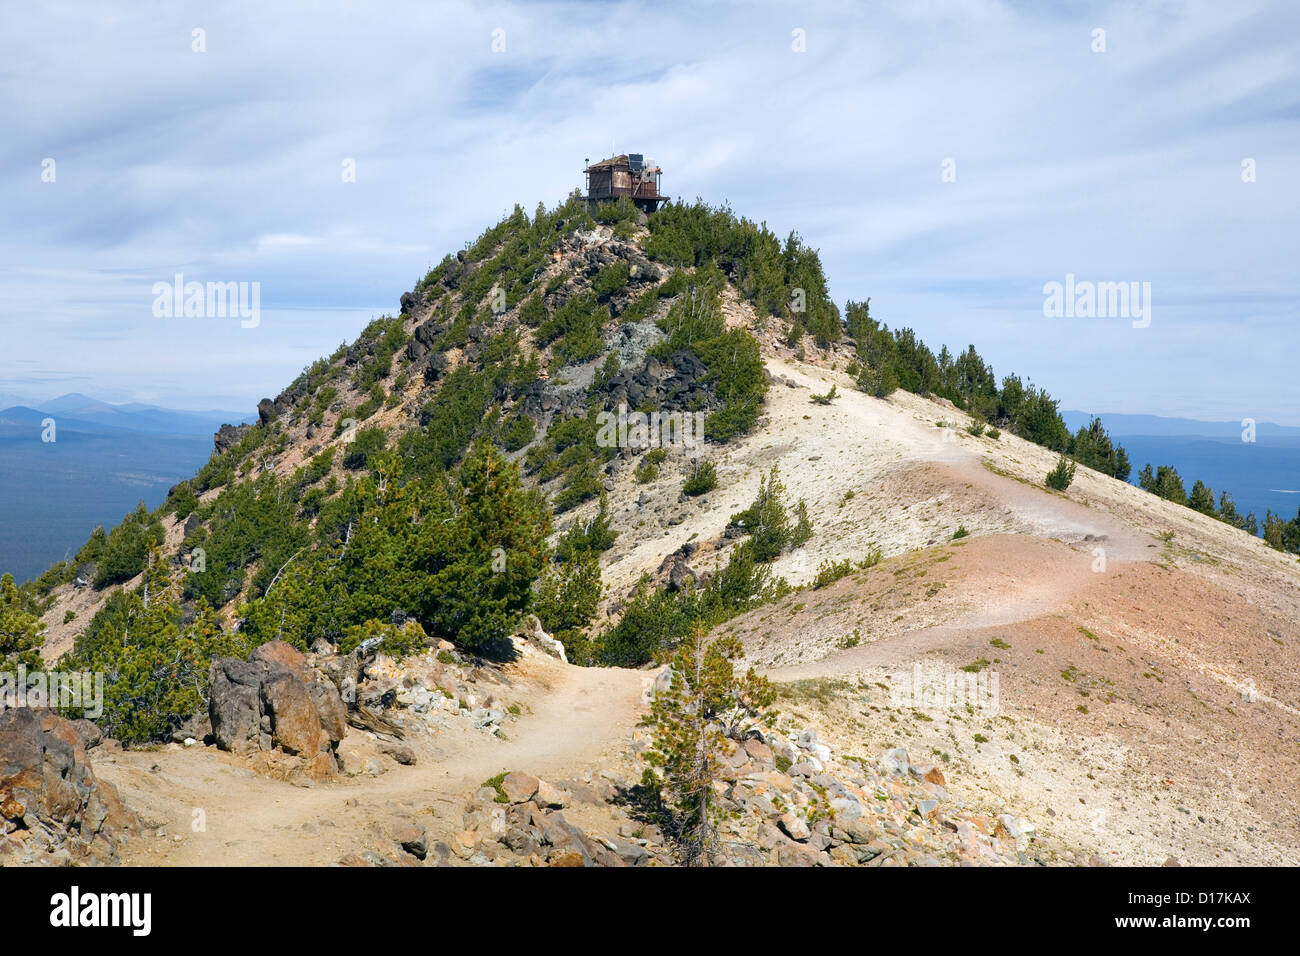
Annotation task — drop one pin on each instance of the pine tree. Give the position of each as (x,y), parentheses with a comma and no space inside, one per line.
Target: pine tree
(155,671)
(487,557)
(1059,478)
(21,631)
(568,596)
(1122,467)
(704,705)
(766,519)
(1273,530)
(1202,498)
(1169,485)
(1146,479)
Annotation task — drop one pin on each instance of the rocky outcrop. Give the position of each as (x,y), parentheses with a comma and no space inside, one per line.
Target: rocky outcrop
(676,568)
(276,701)
(53,809)
(228,436)
(532,633)
(675,383)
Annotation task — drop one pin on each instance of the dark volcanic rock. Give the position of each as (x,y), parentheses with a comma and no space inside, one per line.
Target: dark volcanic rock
(411,301)
(228,436)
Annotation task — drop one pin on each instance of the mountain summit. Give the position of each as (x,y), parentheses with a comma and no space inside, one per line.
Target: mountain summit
(597,441)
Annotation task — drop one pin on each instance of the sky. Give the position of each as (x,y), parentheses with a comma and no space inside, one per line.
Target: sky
(948,159)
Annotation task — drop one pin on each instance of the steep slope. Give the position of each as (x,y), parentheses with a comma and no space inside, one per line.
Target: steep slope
(1145,652)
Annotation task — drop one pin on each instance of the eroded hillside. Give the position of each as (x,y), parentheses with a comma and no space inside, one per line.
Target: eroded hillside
(1144,703)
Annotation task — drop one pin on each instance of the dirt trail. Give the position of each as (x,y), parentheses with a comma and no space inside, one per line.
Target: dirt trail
(1168,632)
(576,718)
(1004,581)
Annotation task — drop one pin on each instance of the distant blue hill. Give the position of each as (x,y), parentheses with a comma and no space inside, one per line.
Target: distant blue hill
(1154,425)
(137,417)
(1263,475)
(105,459)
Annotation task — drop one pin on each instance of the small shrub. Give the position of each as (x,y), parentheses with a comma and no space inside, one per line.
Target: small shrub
(1059,478)
(495,784)
(825,399)
(647,469)
(703,480)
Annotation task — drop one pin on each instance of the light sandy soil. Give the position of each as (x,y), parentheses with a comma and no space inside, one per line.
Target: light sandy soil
(1181,631)
(1148,657)
(574,721)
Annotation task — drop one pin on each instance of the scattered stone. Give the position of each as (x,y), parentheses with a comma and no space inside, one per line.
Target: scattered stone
(550,796)
(400,752)
(410,836)
(519,787)
(794,827)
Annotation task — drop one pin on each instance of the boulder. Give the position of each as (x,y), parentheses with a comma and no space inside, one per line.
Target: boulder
(531,632)
(234,703)
(400,752)
(52,807)
(295,725)
(411,837)
(794,827)
(227,436)
(520,787)
(676,569)
(758,750)
(550,796)
(661,683)
(275,700)
(894,762)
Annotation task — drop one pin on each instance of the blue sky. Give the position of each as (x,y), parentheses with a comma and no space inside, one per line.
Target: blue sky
(225,165)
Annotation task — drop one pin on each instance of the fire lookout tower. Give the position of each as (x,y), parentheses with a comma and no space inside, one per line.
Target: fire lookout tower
(631,175)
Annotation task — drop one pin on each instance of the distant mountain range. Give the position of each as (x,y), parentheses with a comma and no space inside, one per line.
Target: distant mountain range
(104,459)
(77,412)
(1153,426)
(1262,475)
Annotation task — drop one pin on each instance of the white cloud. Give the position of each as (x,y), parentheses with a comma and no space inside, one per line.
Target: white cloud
(1122,165)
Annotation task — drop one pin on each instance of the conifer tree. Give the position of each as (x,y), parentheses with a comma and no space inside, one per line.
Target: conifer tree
(485,560)
(693,720)
(155,671)
(1202,498)
(766,520)
(21,632)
